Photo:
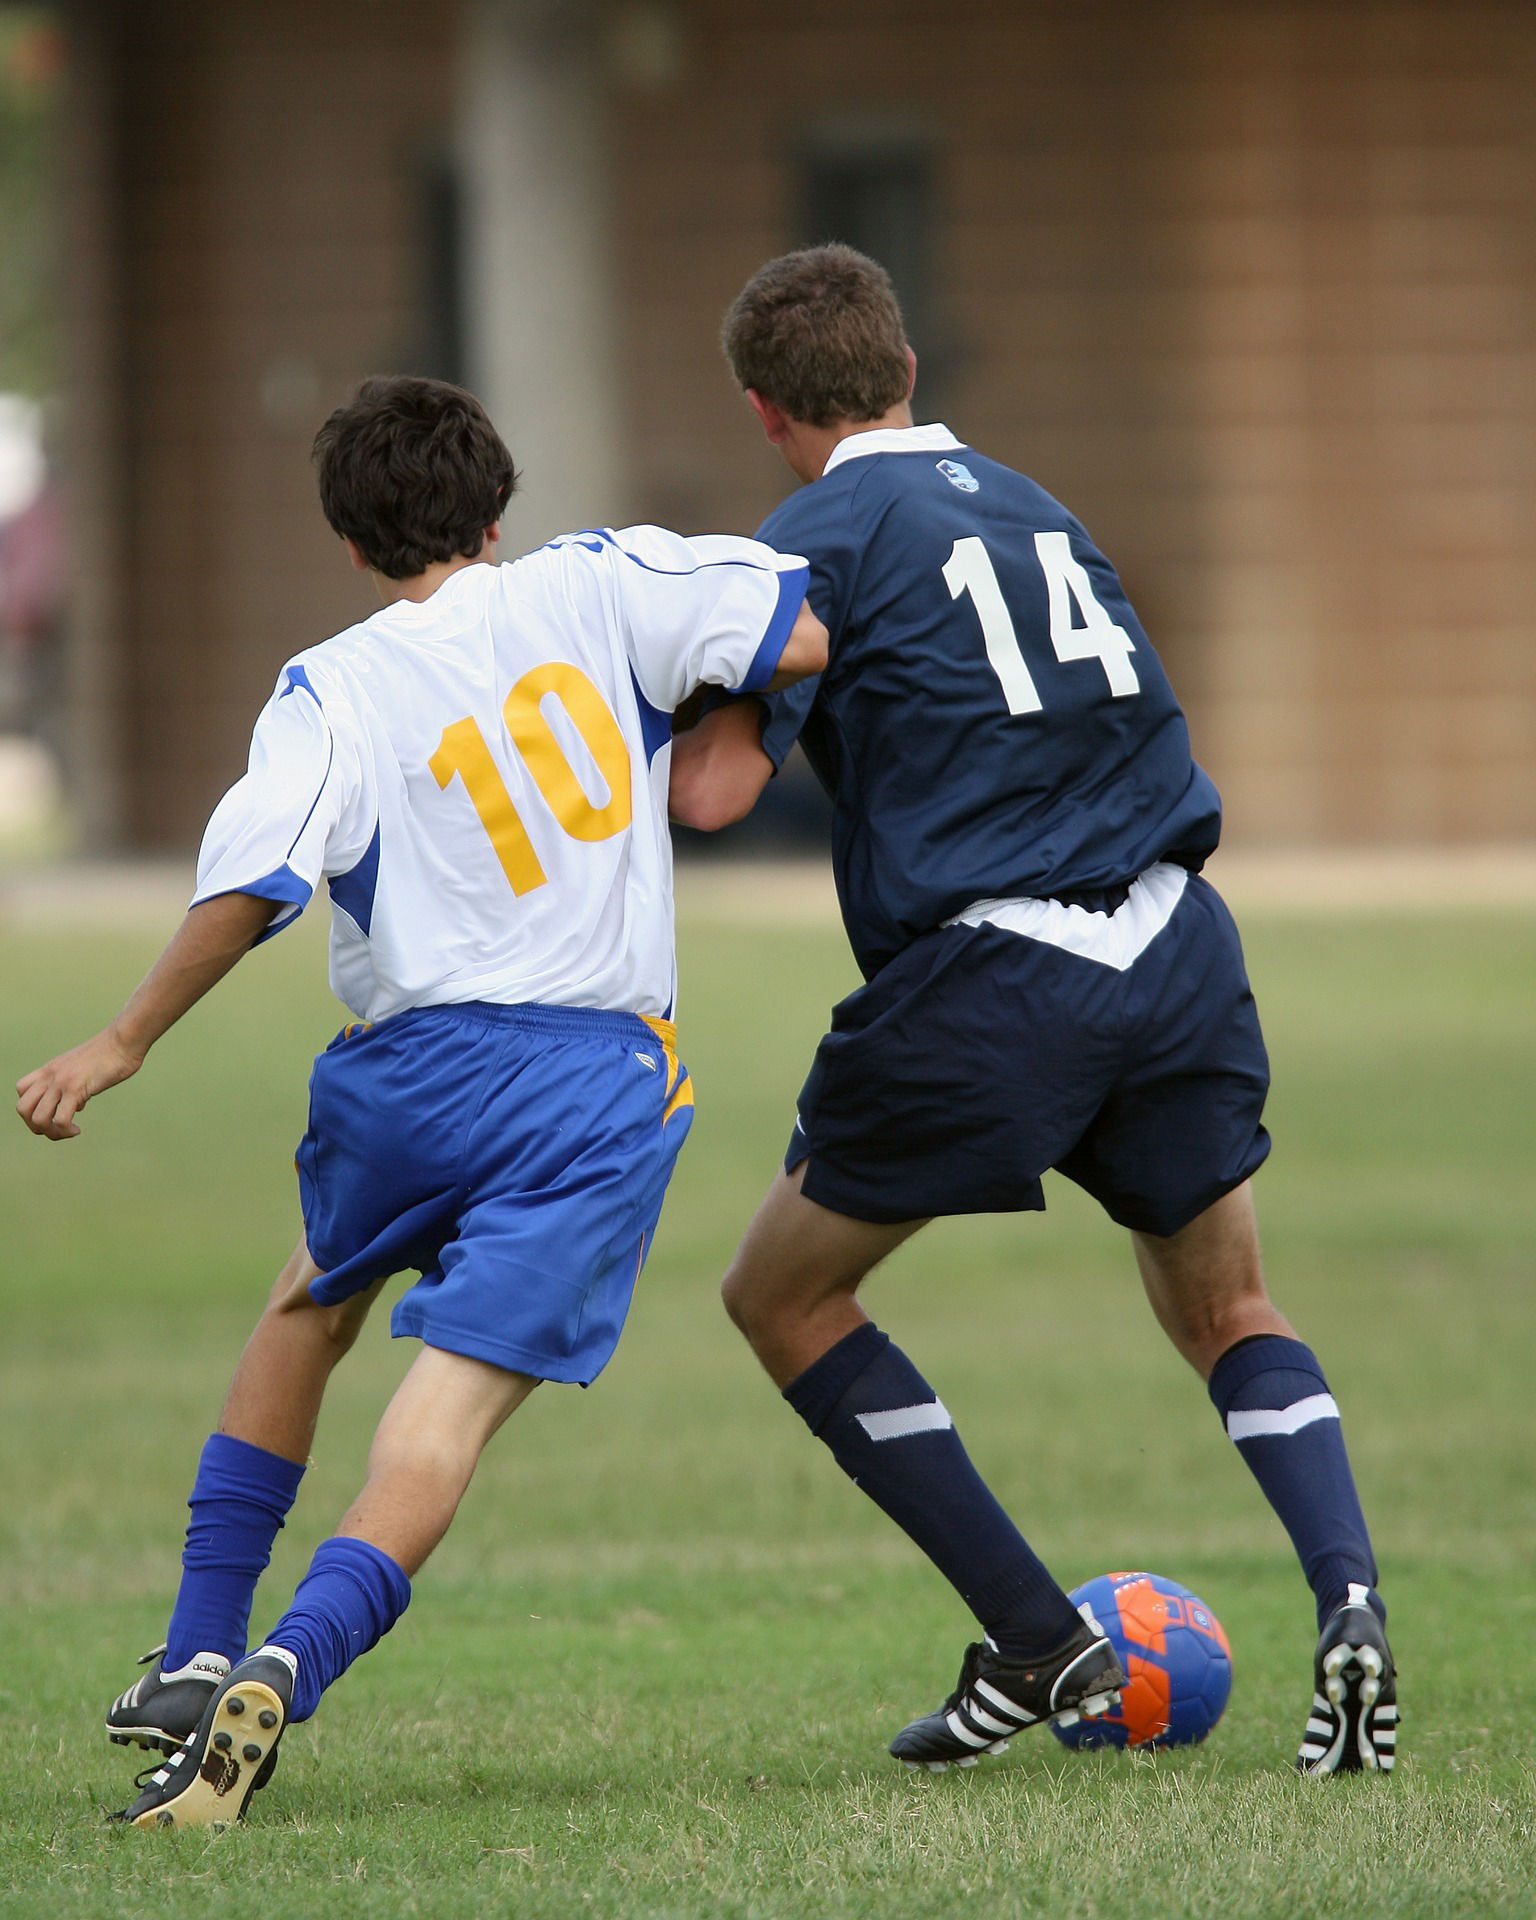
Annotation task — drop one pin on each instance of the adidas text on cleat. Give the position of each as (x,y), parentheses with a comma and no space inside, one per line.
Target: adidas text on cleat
(161,1709)
(232,1751)
(1353,1724)
(996,1698)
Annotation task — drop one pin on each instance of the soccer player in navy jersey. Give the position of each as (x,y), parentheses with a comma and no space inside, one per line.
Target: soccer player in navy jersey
(1018,834)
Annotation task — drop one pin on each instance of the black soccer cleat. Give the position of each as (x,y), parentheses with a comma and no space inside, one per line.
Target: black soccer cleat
(1353,1725)
(996,1698)
(232,1751)
(161,1709)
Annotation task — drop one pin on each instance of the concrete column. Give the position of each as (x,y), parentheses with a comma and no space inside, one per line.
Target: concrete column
(540,301)
(92,444)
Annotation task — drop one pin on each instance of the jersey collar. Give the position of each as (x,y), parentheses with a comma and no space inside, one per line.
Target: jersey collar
(932,439)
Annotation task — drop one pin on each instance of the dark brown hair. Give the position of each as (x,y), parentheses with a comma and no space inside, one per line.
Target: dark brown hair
(819,334)
(413,471)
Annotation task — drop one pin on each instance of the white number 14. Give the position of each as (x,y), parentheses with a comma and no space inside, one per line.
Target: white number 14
(969,570)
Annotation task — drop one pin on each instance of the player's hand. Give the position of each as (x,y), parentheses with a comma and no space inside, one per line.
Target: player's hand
(50,1096)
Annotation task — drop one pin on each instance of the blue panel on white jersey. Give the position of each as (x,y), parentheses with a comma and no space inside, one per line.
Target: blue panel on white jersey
(353,892)
(655,726)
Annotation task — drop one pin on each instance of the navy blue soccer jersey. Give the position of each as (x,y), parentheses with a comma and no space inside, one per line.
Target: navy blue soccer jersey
(992,722)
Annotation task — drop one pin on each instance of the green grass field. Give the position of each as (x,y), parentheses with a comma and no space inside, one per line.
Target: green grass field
(654,1667)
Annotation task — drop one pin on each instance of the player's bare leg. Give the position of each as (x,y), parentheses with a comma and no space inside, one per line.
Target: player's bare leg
(1206,1285)
(434,1430)
(280,1379)
(791,1289)
(1206,1282)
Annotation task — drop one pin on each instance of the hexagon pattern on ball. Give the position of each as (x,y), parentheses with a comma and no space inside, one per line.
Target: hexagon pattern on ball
(1176,1657)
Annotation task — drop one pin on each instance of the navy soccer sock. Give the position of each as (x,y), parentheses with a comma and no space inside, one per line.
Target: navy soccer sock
(239,1500)
(350,1598)
(1272,1395)
(892,1436)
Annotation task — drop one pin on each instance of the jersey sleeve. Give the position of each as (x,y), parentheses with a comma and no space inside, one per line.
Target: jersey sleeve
(784,715)
(274,833)
(818,522)
(713,610)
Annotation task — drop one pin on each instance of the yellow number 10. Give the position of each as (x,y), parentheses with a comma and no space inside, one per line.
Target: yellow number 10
(463,751)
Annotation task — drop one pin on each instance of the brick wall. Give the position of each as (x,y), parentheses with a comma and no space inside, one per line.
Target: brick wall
(1252,286)
(265,168)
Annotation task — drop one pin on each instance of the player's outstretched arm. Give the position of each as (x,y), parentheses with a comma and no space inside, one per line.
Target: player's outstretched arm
(719,768)
(214,935)
(805,651)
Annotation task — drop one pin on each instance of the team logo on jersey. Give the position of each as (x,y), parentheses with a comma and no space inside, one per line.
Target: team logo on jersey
(959,476)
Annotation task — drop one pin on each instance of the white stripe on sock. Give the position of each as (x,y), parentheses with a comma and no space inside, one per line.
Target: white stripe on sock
(901,1421)
(1265,1423)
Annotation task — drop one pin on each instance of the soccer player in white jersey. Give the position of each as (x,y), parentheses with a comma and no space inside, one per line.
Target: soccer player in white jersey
(479,774)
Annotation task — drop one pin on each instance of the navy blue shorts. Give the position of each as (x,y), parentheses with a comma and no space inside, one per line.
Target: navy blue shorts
(515,1156)
(981,1056)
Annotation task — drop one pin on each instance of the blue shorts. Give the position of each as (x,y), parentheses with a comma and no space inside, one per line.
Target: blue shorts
(515,1156)
(980,1057)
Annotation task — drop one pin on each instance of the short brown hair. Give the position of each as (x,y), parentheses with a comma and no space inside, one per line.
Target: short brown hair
(414,472)
(818,333)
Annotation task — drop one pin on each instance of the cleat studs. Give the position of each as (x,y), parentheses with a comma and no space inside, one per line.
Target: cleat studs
(234,1704)
(911,1766)
(267,1718)
(222,1741)
(1071,1717)
(250,1751)
(997,1746)
(970,1760)
(938,1766)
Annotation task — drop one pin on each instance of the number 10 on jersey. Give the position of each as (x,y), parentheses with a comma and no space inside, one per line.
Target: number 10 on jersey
(464,751)
(969,570)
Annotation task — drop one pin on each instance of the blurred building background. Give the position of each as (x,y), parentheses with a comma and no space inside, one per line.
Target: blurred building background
(1251,284)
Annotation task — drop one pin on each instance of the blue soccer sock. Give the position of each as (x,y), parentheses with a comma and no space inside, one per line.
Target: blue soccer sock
(893,1437)
(239,1500)
(1272,1395)
(350,1598)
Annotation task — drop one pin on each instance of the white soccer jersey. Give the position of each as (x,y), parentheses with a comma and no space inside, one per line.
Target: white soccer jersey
(481,777)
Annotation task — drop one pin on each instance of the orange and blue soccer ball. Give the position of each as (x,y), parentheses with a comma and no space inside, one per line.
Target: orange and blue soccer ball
(1176,1658)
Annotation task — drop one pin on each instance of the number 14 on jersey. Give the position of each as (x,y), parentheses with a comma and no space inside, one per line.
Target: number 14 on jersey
(969,570)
